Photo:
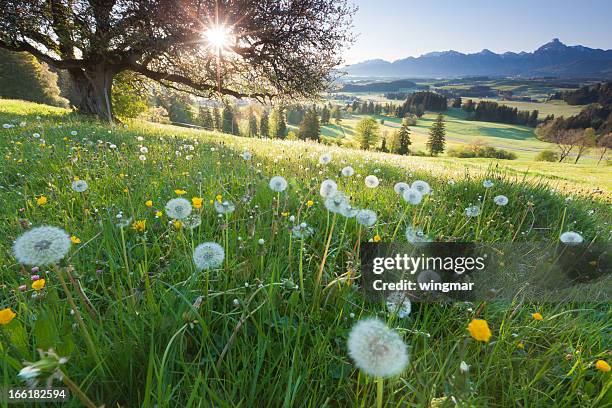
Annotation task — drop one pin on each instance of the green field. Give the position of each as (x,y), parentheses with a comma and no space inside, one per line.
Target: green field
(268,326)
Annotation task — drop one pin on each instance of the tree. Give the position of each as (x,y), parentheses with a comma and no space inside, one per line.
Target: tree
(274,48)
(130,97)
(310,128)
(604,143)
(383,146)
(403,139)
(337,115)
(367,132)
(325,115)
(179,108)
(228,121)
(555,132)
(264,128)
(206,119)
(278,126)
(23,77)
(585,141)
(216,118)
(457,102)
(252,132)
(437,136)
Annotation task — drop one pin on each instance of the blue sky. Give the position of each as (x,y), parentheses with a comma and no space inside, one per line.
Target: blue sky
(393,29)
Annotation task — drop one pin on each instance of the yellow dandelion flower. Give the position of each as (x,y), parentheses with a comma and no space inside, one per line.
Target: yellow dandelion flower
(537,316)
(149,203)
(479,330)
(285,214)
(309,203)
(197,202)
(6,315)
(42,200)
(177,224)
(178,191)
(211,202)
(38,284)
(377,238)
(75,239)
(158,214)
(125,190)
(520,345)
(602,366)
(219,197)
(139,225)
(76,178)
(121,175)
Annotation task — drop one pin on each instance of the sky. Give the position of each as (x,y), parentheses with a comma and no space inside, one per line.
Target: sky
(395,29)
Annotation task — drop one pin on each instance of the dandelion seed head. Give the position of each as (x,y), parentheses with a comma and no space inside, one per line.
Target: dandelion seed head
(487,184)
(325,158)
(472,211)
(412,196)
(278,184)
(178,208)
(348,171)
(208,255)
(371,181)
(349,211)
(421,186)
(571,238)
(398,302)
(328,188)
(224,207)
(79,186)
(336,202)
(400,187)
(367,218)
(500,200)
(42,246)
(416,235)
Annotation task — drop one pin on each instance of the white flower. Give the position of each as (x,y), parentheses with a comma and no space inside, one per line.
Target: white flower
(398,302)
(178,208)
(192,222)
(336,203)
(349,211)
(421,186)
(140,138)
(261,241)
(348,171)
(376,349)
(142,157)
(325,158)
(112,146)
(79,186)
(144,150)
(42,246)
(7,126)
(367,218)
(472,211)
(416,235)
(74,133)
(328,188)
(400,187)
(208,255)
(487,184)
(246,155)
(412,196)
(500,200)
(371,181)
(301,231)
(464,367)
(571,238)
(225,207)
(278,184)
(123,222)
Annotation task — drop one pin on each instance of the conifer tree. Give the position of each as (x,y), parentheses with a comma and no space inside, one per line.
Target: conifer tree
(216,118)
(325,115)
(310,128)
(367,133)
(264,128)
(252,125)
(437,136)
(206,119)
(228,121)
(403,142)
(278,126)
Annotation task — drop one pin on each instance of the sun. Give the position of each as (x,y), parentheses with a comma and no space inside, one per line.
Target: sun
(218,36)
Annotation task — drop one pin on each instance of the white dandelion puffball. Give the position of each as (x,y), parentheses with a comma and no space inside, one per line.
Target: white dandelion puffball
(336,203)
(400,187)
(192,222)
(421,186)
(208,255)
(398,302)
(348,171)
(79,186)
(144,150)
(428,276)
(367,218)
(325,158)
(73,133)
(246,156)
(412,196)
(487,184)
(571,238)
(142,158)
(278,184)
(302,231)
(464,367)
(178,208)
(500,200)
(328,188)
(224,207)
(416,235)
(42,246)
(472,211)
(372,181)
(376,349)
(349,211)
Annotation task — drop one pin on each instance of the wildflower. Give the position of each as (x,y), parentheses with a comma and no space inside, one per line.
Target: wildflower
(398,302)
(472,211)
(347,171)
(479,330)
(537,316)
(73,133)
(38,284)
(42,246)
(79,186)
(301,231)
(261,241)
(372,181)
(208,255)
(226,207)
(500,200)
(6,316)
(400,187)
(412,196)
(139,225)
(197,202)
(336,202)
(325,158)
(520,345)
(349,211)
(421,186)
(158,214)
(178,208)
(149,203)
(192,222)
(246,156)
(416,235)
(75,240)
(42,200)
(367,218)
(376,349)
(309,203)
(487,184)
(377,238)
(218,197)
(142,158)
(278,184)
(571,238)
(602,366)
(123,222)
(144,150)
(328,188)
(179,192)
(464,367)
(47,369)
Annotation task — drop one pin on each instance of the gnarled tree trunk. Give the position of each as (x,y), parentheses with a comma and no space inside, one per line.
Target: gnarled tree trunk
(93,90)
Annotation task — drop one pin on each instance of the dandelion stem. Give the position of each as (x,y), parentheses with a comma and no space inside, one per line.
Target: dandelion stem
(399,223)
(329,238)
(379,392)
(77,391)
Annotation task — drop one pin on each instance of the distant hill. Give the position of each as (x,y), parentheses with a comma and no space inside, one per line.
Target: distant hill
(391,86)
(552,59)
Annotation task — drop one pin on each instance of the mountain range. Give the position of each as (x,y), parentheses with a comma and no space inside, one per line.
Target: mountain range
(552,59)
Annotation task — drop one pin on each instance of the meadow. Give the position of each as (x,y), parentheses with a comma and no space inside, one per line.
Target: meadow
(268,326)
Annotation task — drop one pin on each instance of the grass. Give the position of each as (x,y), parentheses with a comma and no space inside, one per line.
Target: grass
(244,335)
